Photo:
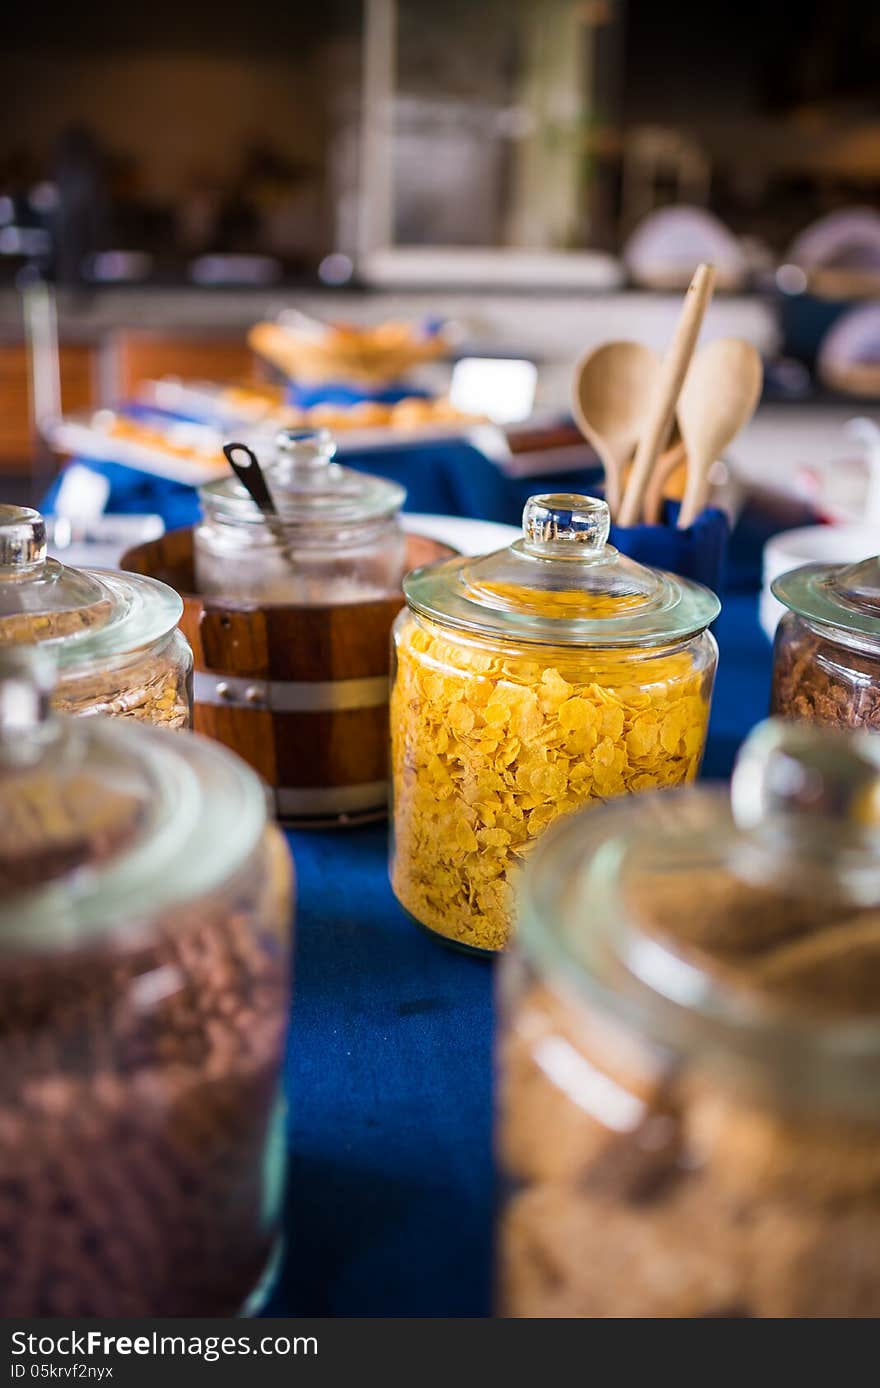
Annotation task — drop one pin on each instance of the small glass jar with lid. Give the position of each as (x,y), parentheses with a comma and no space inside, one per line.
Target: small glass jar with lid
(336,536)
(549,675)
(826,657)
(689,1116)
(113,635)
(145,909)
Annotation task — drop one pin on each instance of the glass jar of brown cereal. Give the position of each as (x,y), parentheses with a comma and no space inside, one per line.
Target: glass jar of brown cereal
(113,636)
(527,683)
(826,657)
(145,920)
(689,1119)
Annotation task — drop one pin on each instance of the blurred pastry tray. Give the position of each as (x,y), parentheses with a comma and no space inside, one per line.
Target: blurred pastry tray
(85,436)
(208,403)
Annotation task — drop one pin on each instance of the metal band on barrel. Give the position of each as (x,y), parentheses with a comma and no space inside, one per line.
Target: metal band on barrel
(331,800)
(294,696)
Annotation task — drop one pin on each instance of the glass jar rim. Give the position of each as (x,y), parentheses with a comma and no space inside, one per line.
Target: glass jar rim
(834,596)
(232,508)
(143,612)
(836,1061)
(310,491)
(83,616)
(205,811)
(581,930)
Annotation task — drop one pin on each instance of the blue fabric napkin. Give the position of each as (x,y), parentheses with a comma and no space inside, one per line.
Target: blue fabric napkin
(698,552)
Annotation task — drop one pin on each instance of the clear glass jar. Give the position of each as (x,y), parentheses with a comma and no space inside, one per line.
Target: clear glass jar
(527,683)
(826,657)
(113,636)
(689,1116)
(337,537)
(144,976)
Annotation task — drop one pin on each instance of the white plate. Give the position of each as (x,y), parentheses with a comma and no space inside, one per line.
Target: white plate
(467,536)
(811,544)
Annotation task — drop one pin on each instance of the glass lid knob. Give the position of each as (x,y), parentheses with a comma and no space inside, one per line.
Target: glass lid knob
(22,539)
(566,524)
(305,448)
(809,778)
(859,584)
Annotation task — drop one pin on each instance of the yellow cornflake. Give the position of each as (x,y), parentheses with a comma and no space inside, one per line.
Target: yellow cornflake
(641,740)
(489,748)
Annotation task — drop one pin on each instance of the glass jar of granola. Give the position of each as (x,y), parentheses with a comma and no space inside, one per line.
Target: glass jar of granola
(550,675)
(145,908)
(336,536)
(826,658)
(689,1118)
(113,636)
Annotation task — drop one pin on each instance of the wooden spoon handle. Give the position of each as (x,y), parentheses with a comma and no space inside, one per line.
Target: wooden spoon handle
(666,465)
(613,469)
(250,475)
(696,491)
(662,407)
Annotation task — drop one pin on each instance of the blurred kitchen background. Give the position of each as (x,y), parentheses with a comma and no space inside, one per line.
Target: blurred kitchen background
(179,172)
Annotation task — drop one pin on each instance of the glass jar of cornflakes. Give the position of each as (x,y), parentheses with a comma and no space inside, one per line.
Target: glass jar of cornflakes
(113,636)
(826,657)
(689,1115)
(336,536)
(550,675)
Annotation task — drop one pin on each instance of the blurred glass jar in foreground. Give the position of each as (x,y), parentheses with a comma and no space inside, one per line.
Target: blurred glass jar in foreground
(530,682)
(337,537)
(826,659)
(689,1113)
(144,962)
(113,636)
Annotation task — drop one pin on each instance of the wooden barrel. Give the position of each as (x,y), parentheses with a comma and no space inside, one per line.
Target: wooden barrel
(300,692)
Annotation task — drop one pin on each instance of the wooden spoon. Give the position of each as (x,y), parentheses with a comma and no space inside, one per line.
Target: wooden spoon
(611,389)
(655,493)
(719,397)
(661,405)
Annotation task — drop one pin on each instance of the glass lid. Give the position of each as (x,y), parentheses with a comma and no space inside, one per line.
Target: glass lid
(842,596)
(562,583)
(309,489)
(745,922)
(83,615)
(105,822)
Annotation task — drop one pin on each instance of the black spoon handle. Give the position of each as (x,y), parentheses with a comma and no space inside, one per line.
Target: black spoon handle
(250,474)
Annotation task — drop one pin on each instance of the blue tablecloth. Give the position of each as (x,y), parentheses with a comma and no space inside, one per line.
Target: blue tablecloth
(389,1076)
(389,1070)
